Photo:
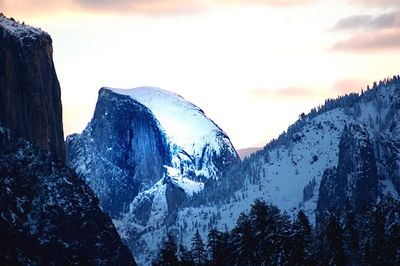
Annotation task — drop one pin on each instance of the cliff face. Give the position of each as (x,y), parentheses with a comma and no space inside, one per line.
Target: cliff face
(355,179)
(121,152)
(29,89)
(144,153)
(48,215)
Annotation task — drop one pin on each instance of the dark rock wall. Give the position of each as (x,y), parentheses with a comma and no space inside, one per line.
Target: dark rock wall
(124,150)
(355,180)
(30,94)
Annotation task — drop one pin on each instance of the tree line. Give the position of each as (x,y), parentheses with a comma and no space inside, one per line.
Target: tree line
(266,236)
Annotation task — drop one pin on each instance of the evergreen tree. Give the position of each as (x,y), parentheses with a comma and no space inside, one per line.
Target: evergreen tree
(378,243)
(198,251)
(300,253)
(218,247)
(167,255)
(366,257)
(270,230)
(243,242)
(334,243)
(351,235)
(185,257)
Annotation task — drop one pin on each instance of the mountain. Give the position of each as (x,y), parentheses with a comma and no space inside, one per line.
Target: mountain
(355,179)
(30,93)
(144,153)
(243,153)
(345,152)
(48,215)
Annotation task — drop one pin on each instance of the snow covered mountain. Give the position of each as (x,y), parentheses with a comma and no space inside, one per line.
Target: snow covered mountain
(144,153)
(346,151)
(199,148)
(48,214)
(326,157)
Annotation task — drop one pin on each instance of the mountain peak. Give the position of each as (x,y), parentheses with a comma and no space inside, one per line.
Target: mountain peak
(28,35)
(185,124)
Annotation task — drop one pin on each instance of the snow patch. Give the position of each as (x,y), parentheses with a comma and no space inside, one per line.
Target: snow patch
(189,186)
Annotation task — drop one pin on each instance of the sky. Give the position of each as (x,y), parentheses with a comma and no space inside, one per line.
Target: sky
(253,66)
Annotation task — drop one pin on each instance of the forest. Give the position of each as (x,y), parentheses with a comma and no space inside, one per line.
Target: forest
(266,236)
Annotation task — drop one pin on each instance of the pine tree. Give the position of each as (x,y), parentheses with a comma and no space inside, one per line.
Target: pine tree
(243,242)
(379,243)
(217,246)
(334,240)
(367,258)
(350,232)
(185,257)
(167,255)
(198,251)
(300,253)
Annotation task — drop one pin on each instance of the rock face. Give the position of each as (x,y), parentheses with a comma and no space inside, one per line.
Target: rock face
(48,214)
(355,179)
(29,90)
(144,153)
(121,152)
(135,136)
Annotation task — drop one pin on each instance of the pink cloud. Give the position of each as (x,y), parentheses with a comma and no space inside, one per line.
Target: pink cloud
(384,21)
(365,42)
(345,86)
(27,8)
(272,3)
(380,3)
(147,7)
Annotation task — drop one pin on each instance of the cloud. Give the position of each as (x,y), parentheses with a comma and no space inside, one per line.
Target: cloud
(344,86)
(369,33)
(375,41)
(27,8)
(383,21)
(271,3)
(379,3)
(147,7)
(24,9)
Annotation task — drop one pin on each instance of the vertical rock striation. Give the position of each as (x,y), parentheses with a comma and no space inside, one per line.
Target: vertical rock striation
(29,89)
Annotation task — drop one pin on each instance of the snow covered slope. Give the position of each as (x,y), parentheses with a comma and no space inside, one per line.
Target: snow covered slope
(193,136)
(288,171)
